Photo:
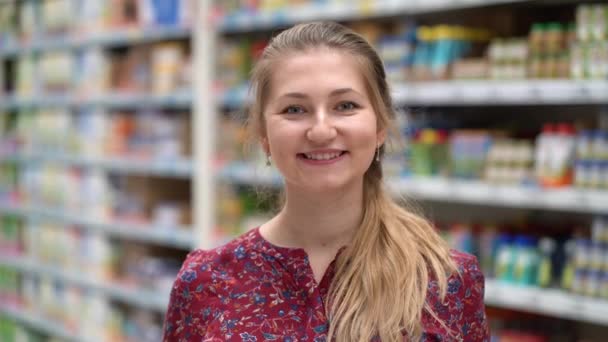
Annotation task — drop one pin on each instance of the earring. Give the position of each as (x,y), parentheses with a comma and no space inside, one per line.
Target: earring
(268,160)
(378,153)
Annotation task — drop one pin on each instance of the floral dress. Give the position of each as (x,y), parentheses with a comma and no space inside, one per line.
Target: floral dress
(250,290)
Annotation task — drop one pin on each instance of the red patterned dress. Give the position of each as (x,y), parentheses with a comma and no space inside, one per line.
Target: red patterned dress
(251,290)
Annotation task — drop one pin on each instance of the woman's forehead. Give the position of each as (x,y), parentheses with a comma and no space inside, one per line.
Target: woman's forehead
(316,71)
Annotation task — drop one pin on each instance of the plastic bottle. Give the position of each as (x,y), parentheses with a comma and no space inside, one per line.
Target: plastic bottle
(543,144)
(526,261)
(545,266)
(504,259)
(562,156)
(567,276)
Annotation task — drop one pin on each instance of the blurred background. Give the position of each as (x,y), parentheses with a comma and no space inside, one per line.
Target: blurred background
(121,150)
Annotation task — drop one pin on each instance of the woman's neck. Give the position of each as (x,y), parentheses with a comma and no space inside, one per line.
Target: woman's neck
(318,222)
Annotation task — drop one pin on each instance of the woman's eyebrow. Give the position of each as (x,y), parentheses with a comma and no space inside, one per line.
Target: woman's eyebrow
(342,91)
(295,95)
(335,92)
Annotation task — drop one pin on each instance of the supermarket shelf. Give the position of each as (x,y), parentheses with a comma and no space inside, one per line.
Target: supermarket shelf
(105,39)
(178,237)
(247,20)
(143,298)
(177,100)
(480,92)
(246,174)
(175,168)
(38,323)
(525,92)
(459,191)
(476,192)
(551,302)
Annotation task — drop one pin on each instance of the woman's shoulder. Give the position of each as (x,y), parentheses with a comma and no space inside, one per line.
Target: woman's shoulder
(468,279)
(467,265)
(462,308)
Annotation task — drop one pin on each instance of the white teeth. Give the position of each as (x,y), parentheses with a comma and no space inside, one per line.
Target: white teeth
(322,156)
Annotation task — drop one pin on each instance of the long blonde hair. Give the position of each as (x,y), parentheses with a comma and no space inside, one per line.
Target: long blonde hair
(381,279)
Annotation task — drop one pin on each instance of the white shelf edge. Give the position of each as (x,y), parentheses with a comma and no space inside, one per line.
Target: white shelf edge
(502,92)
(451,190)
(178,237)
(38,323)
(260,20)
(177,167)
(478,92)
(177,100)
(551,302)
(143,298)
(105,39)
(512,196)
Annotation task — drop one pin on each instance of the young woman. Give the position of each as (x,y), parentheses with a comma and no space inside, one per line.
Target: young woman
(341,261)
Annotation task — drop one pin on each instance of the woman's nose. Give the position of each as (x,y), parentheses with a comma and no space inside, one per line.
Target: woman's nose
(322,128)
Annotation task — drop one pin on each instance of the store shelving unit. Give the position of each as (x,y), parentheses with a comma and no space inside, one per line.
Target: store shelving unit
(138,297)
(152,170)
(178,237)
(479,92)
(39,323)
(178,168)
(455,191)
(550,302)
(179,100)
(246,21)
(113,38)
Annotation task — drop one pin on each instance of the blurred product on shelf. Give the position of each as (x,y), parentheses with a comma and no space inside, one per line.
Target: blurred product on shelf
(439,47)
(10,235)
(555,153)
(80,309)
(230,145)
(397,51)
(577,263)
(31,21)
(235,58)
(507,59)
(81,312)
(9,286)
(25,77)
(54,244)
(552,50)
(158,68)
(8,23)
(550,46)
(94,133)
(57,18)
(11,331)
(92,72)
(147,271)
(239,210)
(561,155)
(429,152)
(509,161)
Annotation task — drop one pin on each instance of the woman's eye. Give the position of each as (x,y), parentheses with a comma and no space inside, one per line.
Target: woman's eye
(347,106)
(293,110)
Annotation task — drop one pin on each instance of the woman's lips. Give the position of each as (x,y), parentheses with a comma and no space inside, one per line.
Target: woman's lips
(323,161)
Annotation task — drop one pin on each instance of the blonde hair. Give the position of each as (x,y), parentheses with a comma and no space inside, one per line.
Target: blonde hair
(381,278)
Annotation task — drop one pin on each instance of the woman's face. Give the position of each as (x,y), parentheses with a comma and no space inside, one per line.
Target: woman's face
(321,128)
